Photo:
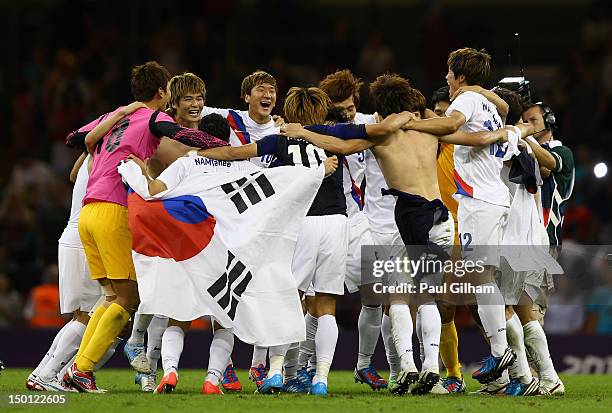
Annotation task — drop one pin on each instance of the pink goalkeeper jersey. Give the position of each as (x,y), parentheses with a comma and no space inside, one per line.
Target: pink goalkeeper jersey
(137,134)
(131,135)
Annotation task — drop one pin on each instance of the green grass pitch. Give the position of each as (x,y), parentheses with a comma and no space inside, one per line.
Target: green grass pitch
(584,394)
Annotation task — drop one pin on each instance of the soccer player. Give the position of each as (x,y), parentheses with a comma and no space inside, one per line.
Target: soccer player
(187,97)
(103,226)
(258,92)
(342,87)
(513,284)
(484,199)
(405,158)
(78,292)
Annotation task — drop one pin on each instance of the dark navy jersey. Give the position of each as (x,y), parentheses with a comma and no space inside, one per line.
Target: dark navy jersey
(330,198)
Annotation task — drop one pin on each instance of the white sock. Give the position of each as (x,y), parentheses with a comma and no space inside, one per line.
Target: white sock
(259,356)
(516,339)
(220,349)
(155,331)
(537,345)
(139,327)
(369,322)
(172,347)
(493,317)
(109,353)
(51,350)
(67,346)
(291,361)
(307,347)
(392,356)
(325,343)
(277,359)
(431,325)
(419,332)
(62,372)
(401,329)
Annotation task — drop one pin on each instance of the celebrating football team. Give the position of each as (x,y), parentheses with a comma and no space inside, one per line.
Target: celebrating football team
(474,182)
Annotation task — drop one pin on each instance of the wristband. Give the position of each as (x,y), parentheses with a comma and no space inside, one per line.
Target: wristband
(192,152)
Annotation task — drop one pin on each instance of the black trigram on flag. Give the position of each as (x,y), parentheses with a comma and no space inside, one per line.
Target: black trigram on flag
(253,191)
(227,286)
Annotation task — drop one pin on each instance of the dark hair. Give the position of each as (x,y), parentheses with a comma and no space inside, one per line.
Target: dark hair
(440,95)
(513,99)
(147,79)
(393,94)
(215,125)
(474,64)
(529,105)
(337,115)
(341,85)
(255,79)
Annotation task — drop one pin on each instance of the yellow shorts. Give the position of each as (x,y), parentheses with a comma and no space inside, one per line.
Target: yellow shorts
(106,237)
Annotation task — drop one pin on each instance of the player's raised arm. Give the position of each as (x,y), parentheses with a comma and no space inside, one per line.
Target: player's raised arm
(501,105)
(160,124)
(93,136)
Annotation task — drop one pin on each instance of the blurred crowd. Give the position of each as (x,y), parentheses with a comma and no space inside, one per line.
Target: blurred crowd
(70,61)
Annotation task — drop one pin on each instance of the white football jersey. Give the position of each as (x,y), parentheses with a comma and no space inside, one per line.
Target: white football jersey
(245,130)
(195,164)
(477,169)
(70,236)
(354,168)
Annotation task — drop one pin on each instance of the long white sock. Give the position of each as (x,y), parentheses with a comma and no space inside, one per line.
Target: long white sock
(172,347)
(51,350)
(139,327)
(419,332)
(369,322)
(220,350)
(307,347)
(537,345)
(62,372)
(493,317)
(392,356)
(290,360)
(431,325)
(401,329)
(325,343)
(259,356)
(277,359)
(109,353)
(67,346)
(154,338)
(516,339)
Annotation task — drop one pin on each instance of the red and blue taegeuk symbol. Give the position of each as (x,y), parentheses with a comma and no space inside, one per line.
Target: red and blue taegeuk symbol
(177,228)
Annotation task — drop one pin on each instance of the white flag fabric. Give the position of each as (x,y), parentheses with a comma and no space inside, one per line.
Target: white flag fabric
(221,244)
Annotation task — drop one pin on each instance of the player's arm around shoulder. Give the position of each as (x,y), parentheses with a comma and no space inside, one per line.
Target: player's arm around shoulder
(438,125)
(230,153)
(326,142)
(475,138)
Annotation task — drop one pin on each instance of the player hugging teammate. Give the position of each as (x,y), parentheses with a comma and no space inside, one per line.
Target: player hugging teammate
(432,179)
